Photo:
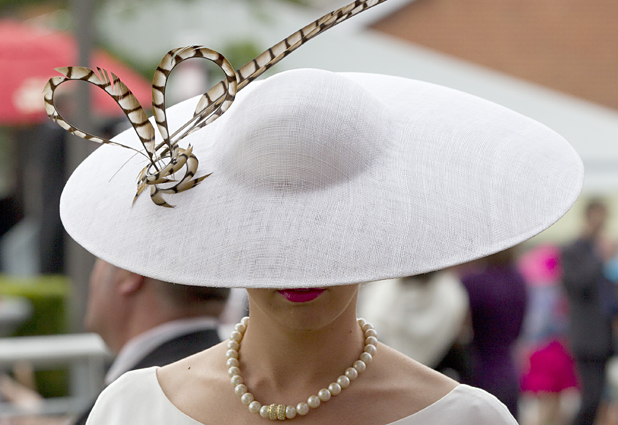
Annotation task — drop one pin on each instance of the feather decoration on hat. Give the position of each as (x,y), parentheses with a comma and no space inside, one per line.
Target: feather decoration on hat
(168,158)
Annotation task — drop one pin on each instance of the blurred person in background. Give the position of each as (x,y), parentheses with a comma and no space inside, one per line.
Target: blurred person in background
(144,322)
(498,298)
(51,158)
(147,322)
(11,210)
(423,317)
(549,368)
(592,306)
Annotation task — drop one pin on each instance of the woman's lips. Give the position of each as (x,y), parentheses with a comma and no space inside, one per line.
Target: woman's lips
(301,295)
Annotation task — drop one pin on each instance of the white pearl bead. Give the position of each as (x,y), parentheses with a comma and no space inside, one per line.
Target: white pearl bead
(240,389)
(236,380)
(361,322)
(233,371)
(313,401)
(360,366)
(240,328)
(302,409)
(233,345)
(371,332)
(351,373)
(371,340)
(245,321)
(231,354)
(247,398)
(334,388)
(264,411)
(367,326)
(232,362)
(366,358)
(255,406)
(371,349)
(343,381)
(236,336)
(290,412)
(324,394)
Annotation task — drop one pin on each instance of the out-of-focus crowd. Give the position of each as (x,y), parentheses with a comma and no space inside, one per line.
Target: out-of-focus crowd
(534,327)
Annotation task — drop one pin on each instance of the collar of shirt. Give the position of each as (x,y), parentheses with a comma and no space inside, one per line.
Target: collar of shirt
(139,346)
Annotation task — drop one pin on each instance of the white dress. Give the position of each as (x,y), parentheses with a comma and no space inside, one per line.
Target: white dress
(137,399)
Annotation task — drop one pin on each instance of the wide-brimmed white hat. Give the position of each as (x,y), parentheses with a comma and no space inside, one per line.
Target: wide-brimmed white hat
(322,178)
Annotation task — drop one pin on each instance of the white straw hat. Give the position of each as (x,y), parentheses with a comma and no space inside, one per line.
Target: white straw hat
(322,179)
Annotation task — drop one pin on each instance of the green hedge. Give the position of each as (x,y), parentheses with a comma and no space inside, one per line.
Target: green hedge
(50,297)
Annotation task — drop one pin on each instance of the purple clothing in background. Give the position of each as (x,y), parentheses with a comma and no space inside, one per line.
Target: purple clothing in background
(497,304)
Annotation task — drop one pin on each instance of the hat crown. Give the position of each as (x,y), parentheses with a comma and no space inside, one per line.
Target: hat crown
(303,130)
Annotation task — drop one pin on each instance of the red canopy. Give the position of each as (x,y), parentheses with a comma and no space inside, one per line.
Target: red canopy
(28,56)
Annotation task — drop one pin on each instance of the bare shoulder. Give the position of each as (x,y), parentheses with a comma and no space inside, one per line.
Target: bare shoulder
(410,373)
(193,375)
(404,385)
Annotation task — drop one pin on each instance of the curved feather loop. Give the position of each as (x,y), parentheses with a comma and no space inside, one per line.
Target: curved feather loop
(167,64)
(117,90)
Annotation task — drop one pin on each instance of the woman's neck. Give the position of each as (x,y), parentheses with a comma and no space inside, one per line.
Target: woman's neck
(278,359)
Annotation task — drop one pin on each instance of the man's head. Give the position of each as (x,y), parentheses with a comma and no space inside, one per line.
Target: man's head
(596,216)
(122,304)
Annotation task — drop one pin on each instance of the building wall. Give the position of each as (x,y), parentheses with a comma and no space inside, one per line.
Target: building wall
(567,45)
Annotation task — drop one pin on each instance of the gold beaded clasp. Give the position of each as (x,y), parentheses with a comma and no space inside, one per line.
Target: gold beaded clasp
(276,412)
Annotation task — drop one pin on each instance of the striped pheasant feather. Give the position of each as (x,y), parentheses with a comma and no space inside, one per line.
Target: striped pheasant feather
(266,60)
(117,90)
(168,158)
(167,64)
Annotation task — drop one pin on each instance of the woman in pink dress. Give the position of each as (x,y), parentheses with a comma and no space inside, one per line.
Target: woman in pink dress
(548,366)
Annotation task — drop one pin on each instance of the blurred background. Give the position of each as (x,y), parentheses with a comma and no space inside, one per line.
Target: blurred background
(552,60)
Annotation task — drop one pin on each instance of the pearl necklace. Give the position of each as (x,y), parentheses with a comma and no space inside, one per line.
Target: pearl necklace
(282,412)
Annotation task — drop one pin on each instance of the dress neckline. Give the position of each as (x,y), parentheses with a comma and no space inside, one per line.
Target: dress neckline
(152,371)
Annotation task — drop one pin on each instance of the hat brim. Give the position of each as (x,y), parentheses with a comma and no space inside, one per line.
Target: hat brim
(461,178)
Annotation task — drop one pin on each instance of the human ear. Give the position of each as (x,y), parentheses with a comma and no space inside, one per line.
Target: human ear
(129,283)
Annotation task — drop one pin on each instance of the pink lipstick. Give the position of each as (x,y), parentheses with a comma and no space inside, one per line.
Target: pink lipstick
(301,295)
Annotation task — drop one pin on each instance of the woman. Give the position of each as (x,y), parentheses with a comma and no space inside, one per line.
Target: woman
(497,305)
(312,183)
(291,350)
